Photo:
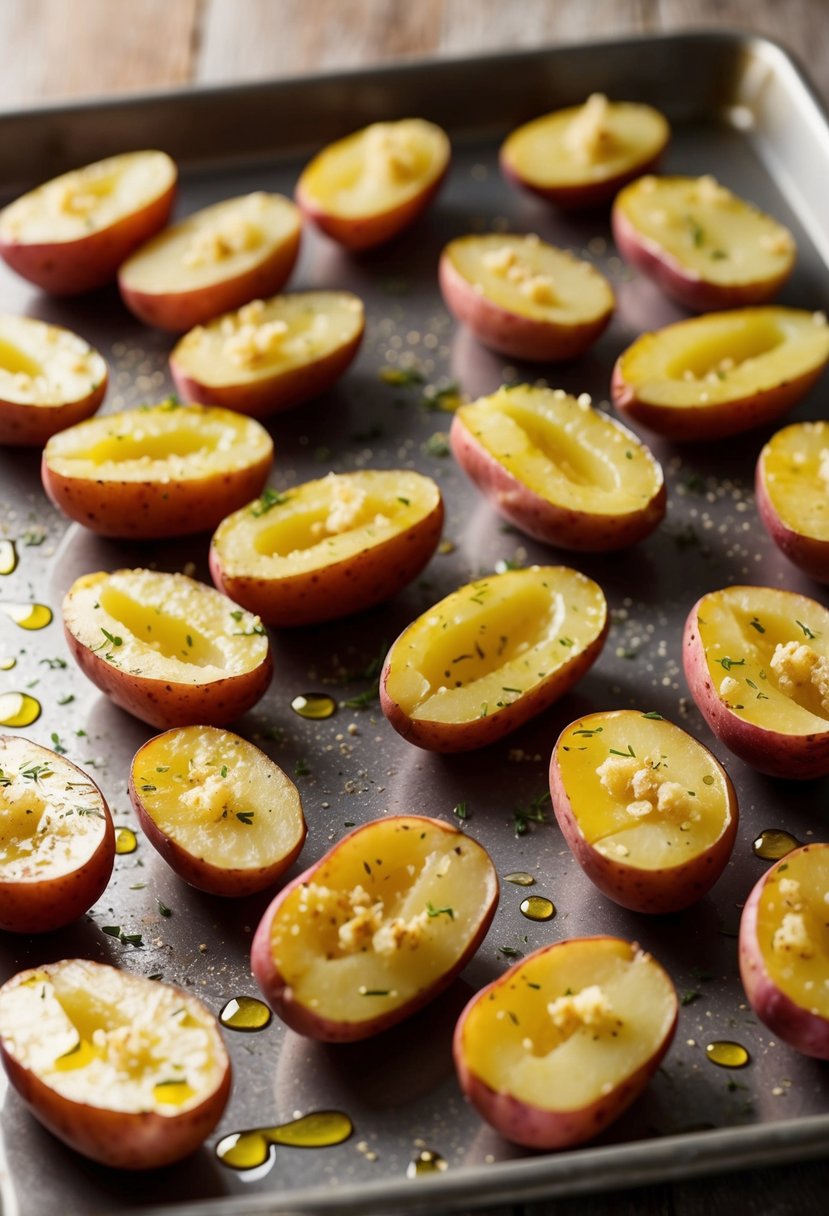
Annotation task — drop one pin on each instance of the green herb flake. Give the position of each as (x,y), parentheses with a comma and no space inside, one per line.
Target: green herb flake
(433,912)
(688,998)
(728,663)
(56,743)
(807,633)
(245,817)
(653,716)
(163,910)
(269,499)
(755,624)
(223,770)
(67,700)
(615,752)
(461,811)
(510,952)
(54,664)
(301,769)
(401,377)
(437,444)
(524,816)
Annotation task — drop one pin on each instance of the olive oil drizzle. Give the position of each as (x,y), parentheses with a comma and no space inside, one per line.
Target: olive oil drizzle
(249,1149)
(727,1054)
(538,907)
(28,616)
(774,843)
(315,706)
(245,1013)
(126,841)
(19,709)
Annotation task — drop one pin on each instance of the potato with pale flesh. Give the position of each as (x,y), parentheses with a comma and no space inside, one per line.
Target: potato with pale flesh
(167,649)
(57,845)
(649,814)
(128,1071)
(561,1044)
(330,547)
(492,655)
(701,244)
(158,470)
(213,261)
(271,354)
(714,376)
(218,810)
(792,488)
(784,950)
(757,663)
(71,234)
(523,297)
(581,156)
(560,471)
(365,189)
(377,928)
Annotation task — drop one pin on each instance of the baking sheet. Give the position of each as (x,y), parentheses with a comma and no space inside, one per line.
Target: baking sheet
(741,111)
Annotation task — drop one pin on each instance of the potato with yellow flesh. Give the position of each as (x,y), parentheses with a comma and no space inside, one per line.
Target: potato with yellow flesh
(328,548)
(701,244)
(72,233)
(560,471)
(365,189)
(784,950)
(792,488)
(714,376)
(130,1072)
(561,1044)
(377,928)
(757,663)
(213,261)
(165,648)
(271,354)
(649,814)
(581,156)
(492,655)
(218,810)
(57,844)
(156,471)
(523,297)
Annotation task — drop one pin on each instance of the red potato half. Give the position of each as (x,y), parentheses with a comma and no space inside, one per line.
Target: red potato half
(376,929)
(719,375)
(218,810)
(271,354)
(213,261)
(581,156)
(156,471)
(167,649)
(328,548)
(784,950)
(57,845)
(757,663)
(365,189)
(561,1044)
(701,244)
(492,655)
(560,471)
(649,814)
(130,1072)
(792,488)
(49,379)
(523,297)
(71,234)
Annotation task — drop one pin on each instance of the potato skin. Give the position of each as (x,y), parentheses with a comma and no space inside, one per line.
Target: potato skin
(809,553)
(584,195)
(30,426)
(357,233)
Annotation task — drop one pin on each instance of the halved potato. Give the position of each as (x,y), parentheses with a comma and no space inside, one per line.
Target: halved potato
(492,655)
(156,471)
(714,376)
(701,244)
(649,814)
(72,233)
(376,929)
(365,189)
(560,471)
(561,1044)
(271,354)
(166,648)
(523,297)
(213,261)
(128,1071)
(757,663)
(581,156)
(792,487)
(330,547)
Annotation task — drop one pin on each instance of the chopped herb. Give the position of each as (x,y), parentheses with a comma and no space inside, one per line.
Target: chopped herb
(149,788)
(237,614)
(565,641)
(257,630)
(301,769)
(588,733)
(132,939)
(56,743)
(629,455)
(407,502)
(785,866)
(510,952)
(269,499)
(654,716)
(755,624)
(374,991)
(32,539)
(505,688)
(163,910)
(461,811)
(447,398)
(690,996)
(112,638)
(630,752)
(729,663)
(35,772)
(437,444)
(806,630)
(524,816)
(223,770)
(54,664)
(246,817)
(67,700)
(111,930)
(433,912)
(401,377)
(696,230)
(189,640)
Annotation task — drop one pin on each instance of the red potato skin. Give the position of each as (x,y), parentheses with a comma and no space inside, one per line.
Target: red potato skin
(806,552)
(584,195)
(30,426)
(358,233)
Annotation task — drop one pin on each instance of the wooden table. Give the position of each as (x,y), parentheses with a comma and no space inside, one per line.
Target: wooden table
(80,48)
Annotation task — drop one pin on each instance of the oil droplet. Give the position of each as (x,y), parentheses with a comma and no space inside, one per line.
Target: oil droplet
(172,1093)
(28,616)
(7,664)
(79,1056)
(727,1054)
(8,557)
(520,878)
(126,840)
(314,705)
(245,1013)
(774,843)
(18,709)
(538,907)
(446,546)
(249,1149)
(427,1161)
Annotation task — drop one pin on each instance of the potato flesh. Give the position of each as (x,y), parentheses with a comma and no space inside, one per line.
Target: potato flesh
(44,364)
(792,928)
(795,470)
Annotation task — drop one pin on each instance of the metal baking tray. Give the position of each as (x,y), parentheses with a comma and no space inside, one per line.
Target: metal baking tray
(741,110)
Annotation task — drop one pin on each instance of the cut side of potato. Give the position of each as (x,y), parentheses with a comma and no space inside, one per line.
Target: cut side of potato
(270,354)
(128,1071)
(561,1044)
(715,376)
(220,812)
(378,927)
(166,648)
(492,655)
(157,471)
(523,297)
(792,486)
(560,471)
(329,547)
